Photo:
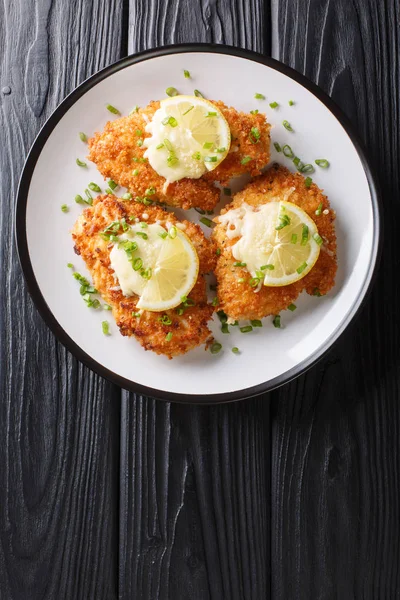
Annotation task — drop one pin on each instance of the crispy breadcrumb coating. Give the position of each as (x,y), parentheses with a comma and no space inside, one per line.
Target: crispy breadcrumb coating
(189,329)
(117,155)
(239,300)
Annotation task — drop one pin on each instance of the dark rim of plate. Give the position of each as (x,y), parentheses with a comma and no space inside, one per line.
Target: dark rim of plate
(40,302)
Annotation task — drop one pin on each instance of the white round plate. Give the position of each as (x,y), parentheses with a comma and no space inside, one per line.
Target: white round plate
(268,356)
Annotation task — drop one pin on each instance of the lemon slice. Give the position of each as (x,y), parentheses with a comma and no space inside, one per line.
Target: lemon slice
(189,136)
(294,246)
(174,273)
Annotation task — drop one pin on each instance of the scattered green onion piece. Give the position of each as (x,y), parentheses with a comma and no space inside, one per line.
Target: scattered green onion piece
(140,143)
(210,159)
(293,238)
(308,182)
(277,321)
(198,94)
(227,191)
(70,265)
(254,282)
(245,160)
(292,307)
(137,264)
(318,239)
(278,147)
(83,136)
(208,145)
(94,187)
(127,196)
(246,329)
(256,323)
(322,162)
(187,111)
(80,163)
(168,121)
(136,314)
(287,126)
(296,161)
(317,293)
(168,337)
(172,232)
(107,307)
(269,267)
(235,350)
(143,224)
(239,264)
(196,156)
(255,135)
(225,328)
(168,145)
(274,104)
(171,91)
(163,235)
(218,251)
(318,212)
(222,316)
(287,151)
(112,184)
(291,103)
(254,112)
(89,197)
(211,114)
(241,280)
(172,160)
(146,273)
(64,208)
(284,221)
(301,268)
(206,221)
(109,191)
(134,110)
(165,320)
(150,191)
(142,234)
(220,150)
(259,96)
(159,146)
(179,311)
(308,168)
(215,348)
(79,199)
(304,235)
(186,74)
(105,327)
(112,109)
(215,301)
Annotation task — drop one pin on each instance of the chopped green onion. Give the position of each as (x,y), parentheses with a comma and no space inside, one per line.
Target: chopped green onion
(256,323)
(64,208)
(105,327)
(168,145)
(146,273)
(70,265)
(179,311)
(89,197)
(94,187)
(322,162)
(112,184)
(246,329)
(318,239)
(165,320)
(222,316)
(259,96)
(235,350)
(269,267)
(163,235)
(168,337)
(254,112)
(293,238)
(136,314)
(254,282)
(142,234)
(304,235)
(287,151)
(172,232)
(127,196)
(107,307)
(159,146)
(172,160)
(210,159)
(168,121)
(308,182)
(215,301)
(211,114)
(225,328)
(139,132)
(301,268)
(227,191)
(292,307)
(137,264)
(274,104)
(245,160)
(196,156)
(291,103)
(171,91)
(150,191)
(296,161)
(83,136)
(220,150)
(143,224)
(206,221)
(187,111)
(255,135)
(79,199)
(208,145)
(318,212)
(140,143)
(186,74)
(317,293)
(198,94)
(218,251)
(277,147)
(239,264)
(215,348)
(277,321)
(241,280)
(135,109)
(109,191)
(112,109)
(284,221)
(308,168)
(287,126)
(136,172)
(80,163)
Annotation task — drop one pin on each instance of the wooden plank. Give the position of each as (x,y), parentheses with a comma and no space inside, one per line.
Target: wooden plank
(336,445)
(59,424)
(194,516)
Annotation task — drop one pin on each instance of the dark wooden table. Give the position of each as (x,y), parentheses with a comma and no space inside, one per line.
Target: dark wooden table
(292,495)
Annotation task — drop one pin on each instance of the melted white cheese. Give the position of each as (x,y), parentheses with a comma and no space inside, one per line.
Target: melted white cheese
(131,281)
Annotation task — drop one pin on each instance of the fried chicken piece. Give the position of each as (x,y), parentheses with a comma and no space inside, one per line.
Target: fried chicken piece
(117,155)
(189,329)
(239,300)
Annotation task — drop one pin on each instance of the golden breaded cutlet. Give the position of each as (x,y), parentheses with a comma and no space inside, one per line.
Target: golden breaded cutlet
(189,329)
(117,155)
(240,300)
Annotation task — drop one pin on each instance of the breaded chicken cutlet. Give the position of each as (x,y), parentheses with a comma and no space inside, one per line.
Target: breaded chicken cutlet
(189,324)
(238,299)
(117,155)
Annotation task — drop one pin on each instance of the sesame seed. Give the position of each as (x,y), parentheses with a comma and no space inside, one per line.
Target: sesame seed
(145,216)
(325,212)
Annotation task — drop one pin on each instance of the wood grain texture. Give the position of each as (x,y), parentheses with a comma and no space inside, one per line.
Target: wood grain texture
(336,446)
(194,515)
(59,424)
